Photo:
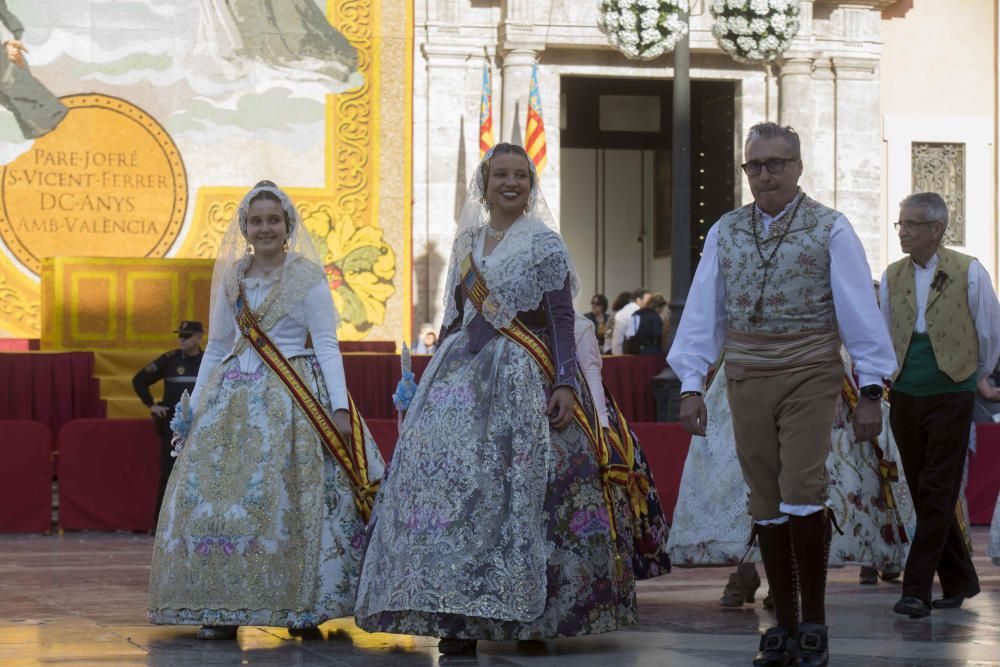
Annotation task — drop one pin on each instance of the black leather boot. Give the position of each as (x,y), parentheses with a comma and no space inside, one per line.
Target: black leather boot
(779,646)
(811,544)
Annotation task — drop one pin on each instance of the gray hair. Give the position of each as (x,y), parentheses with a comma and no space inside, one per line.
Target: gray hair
(932,204)
(771,130)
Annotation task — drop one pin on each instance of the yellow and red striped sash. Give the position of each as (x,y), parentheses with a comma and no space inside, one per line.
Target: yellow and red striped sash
(478,293)
(351,457)
(624,473)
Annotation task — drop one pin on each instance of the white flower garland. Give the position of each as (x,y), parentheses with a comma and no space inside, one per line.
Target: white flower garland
(755,31)
(643,29)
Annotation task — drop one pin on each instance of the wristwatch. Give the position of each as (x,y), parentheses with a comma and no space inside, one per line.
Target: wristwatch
(871,391)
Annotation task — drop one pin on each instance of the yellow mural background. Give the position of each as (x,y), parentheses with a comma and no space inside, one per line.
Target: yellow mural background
(363,210)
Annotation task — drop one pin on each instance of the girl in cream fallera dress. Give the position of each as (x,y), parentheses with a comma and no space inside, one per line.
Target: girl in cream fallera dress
(259,524)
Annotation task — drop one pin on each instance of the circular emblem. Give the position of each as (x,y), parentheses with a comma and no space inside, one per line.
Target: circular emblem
(107,182)
(180,370)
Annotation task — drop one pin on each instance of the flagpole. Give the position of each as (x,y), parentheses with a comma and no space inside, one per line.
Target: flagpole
(680,260)
(666,385)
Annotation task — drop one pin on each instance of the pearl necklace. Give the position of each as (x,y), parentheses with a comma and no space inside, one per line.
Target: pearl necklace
(496,234)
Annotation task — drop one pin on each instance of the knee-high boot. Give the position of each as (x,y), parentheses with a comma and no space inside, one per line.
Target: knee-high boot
(811,544)
(779,645)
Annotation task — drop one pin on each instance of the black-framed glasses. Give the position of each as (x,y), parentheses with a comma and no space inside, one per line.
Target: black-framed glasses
(910,225)
(775,165)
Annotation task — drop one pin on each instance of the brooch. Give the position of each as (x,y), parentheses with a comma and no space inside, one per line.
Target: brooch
(940,278)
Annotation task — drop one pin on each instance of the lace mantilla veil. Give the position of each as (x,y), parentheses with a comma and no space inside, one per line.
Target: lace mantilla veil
(301,270)
(532,258)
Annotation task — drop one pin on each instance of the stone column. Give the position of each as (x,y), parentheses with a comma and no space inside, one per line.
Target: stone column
(447,79)
(822,161)
(517,65)
(797,106)
(859,150)
(519,45)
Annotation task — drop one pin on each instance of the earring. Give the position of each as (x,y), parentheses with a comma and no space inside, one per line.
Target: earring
(249,248)
(284,245)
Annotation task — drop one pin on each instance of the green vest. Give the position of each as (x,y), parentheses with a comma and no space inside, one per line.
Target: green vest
(950,327)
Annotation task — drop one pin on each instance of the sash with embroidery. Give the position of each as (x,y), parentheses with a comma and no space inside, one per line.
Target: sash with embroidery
(352,458)
(478,292)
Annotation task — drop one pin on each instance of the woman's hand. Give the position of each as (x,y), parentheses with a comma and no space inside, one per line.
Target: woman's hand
(15,50)
(560,410)
(342,420)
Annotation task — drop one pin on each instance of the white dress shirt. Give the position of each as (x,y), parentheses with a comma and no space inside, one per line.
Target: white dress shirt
(588,357)
(290,338)
(623,327)
(982,304)
(702,331)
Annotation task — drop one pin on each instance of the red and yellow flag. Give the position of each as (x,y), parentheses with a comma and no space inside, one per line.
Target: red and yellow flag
(486,115)
(535,128)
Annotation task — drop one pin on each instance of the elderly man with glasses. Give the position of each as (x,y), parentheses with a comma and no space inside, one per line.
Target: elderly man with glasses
(943,316)
(781,283)
(178,368)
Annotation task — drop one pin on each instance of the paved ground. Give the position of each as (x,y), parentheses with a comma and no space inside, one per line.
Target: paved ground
(80,600)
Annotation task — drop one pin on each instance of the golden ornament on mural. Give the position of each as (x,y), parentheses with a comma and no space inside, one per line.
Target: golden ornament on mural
(107,182)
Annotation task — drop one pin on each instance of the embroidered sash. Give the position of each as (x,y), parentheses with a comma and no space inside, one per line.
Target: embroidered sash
(622,472)
(352,458)
(478,292)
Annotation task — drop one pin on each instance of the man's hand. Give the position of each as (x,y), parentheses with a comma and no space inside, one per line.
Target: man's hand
(560,409)
(694,415)
(867,419)
(15,52)
(342,420)
(159,411)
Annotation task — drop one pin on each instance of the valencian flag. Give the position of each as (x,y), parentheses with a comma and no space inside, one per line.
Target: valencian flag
(485,115)
(535,128)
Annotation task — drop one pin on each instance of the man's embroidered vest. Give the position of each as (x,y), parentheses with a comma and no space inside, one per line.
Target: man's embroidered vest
(798,296)
(950,326)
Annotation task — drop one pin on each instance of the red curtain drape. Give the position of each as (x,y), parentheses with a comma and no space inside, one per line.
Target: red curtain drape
(25,477)
(109,474)
(49,387)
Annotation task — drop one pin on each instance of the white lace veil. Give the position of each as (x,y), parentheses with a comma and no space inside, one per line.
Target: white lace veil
(532,257)
(301,270)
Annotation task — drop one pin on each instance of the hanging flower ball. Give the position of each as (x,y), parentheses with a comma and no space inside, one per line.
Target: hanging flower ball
(755,31)
(643,29)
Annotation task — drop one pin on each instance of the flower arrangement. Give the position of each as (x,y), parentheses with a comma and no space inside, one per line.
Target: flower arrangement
(755,31)
(643,29)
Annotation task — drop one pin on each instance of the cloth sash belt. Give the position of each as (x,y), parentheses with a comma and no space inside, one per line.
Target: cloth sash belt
(351,457)
(751,355)
(516,331)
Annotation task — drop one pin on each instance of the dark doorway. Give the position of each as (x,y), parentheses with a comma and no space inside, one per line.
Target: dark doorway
(616,176)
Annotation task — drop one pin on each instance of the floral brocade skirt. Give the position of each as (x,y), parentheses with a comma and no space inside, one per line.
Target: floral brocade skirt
(258,524)
(490,524)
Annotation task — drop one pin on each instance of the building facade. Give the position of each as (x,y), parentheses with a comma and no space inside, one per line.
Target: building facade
(881,104)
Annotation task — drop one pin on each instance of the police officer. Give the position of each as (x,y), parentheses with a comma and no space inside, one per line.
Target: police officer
(178,369)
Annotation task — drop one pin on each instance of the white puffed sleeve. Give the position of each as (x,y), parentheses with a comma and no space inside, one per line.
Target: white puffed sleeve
(322,326)
(588,357)
(220,343)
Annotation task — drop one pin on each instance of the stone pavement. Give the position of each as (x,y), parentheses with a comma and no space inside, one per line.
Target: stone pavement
(80,600)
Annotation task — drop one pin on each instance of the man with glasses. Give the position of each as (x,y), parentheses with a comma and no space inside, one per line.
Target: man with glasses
(943,316)
(178,369)
(781,283)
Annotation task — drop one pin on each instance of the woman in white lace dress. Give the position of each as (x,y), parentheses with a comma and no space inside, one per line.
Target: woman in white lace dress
(493,521)
(261,523)
(708,529)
